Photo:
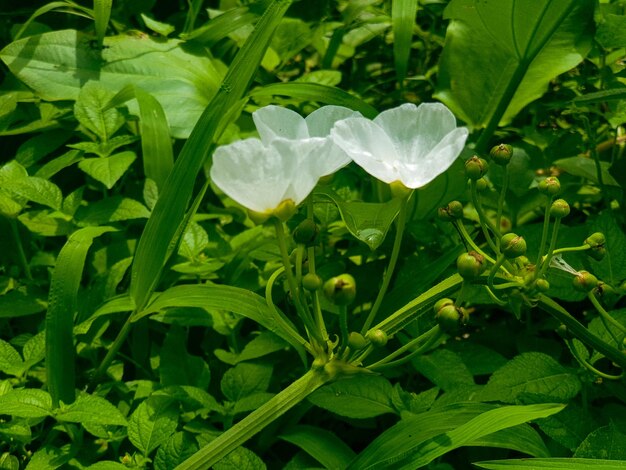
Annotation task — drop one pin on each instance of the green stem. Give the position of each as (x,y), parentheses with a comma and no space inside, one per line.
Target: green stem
(605,315)
(343,327)
(484,222)
(505,185)
(494,270)
(430,338)
(317,309)
(494,297)
(113,349)
(544,235)
(390,268)
(583,362)
(20,249)
(463,231)
(569,249)
(228,441)
(546,261)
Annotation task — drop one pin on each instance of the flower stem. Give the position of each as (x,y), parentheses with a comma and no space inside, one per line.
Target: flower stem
(317,309)
(20,249)
(428,339)
(604,314)
(546,261)
(583,362)
(468,239)
(544,235)
(485,224)
(390,268)
(343,327)
(569,249)
(505,185)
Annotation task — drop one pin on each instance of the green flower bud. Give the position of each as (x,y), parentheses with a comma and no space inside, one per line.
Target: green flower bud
(450,319)
(559,209)
(476,168)
(453,211)
(564,332)
(356,341)
(551,186)
(501,154)
(585,281)
(512,245)
(604,289)
(542,285)
(597,243)
(481,184)
(471,265)
(340,290)
(306,232)
(378,338)
(442,303)
(312,282)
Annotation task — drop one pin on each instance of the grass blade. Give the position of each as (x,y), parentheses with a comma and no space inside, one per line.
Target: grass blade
(552,464)
(62,305)
(101,16)
(403,20)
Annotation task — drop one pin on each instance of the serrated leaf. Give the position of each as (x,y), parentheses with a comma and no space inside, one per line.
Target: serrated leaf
(10,360)
(445,369)
(152,423)
(91,409)
(245,379)
(34,349)
(531,373)
(177,366)
(108,170)
(194,241)
(240,459)
(90,113)
(113,209)
(361,396)
(607,442)
(570,427)
(26,403)
(21,302)
(37,190)
(47,223)
(263,344)
(178,447)
(48,458)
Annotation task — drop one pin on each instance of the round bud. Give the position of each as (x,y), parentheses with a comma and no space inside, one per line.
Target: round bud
(585,281)
(604,289)
(340,290)
(551,186)
(442,303)
(564,332)
(542,285)
(512,245)
(311,282)
(476,168)
(597,243)
(450,319)
(399,190)
(501,154)
(559,209)
(481,184)
(378,338)
(453,211)
(356,341)
(471,265)
(306,232)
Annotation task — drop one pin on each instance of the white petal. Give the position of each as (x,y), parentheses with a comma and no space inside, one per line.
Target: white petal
(253,175)
(274,122)
(438,160)
(369,146)
(322,120)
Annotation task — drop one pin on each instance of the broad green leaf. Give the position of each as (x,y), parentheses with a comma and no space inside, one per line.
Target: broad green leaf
(607,442)
(361,396)
(166,223)
(316,92)
(21,302)
(90,113)
(552,464)
(251,402)
(612,268)
(54,166)
(164,29)
(262,345)
(26,403)
(403,22)
(108,170)
(232,299)
(34,349)
(47,223)
(177,366)
(152,423)
(10,360)
(521,438)
(415,453)
(586,168)
(245,379)
(500,55)
(15,181)
(48,458)
(367,221)
(178,447)
(240,459)
(39,146)
(611,31)
(18,432)
(531,373)
(91,409)
(62,305)
(321,444)
(58,63)
(107,465)
(445,369)
(112,209)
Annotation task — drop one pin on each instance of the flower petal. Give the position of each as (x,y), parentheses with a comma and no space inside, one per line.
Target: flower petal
(252,174)
(274,122)
(369,146)
(322,120)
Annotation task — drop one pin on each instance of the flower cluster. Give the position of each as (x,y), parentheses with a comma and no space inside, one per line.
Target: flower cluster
(269,176)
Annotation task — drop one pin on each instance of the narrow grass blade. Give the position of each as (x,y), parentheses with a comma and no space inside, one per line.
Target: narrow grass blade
(162,226)
(221,26)
(403,21)
(192,14)
(101,16)
(552,464)
(317,92)
(62,305)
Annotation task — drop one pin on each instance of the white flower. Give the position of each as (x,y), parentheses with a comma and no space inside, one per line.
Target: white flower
(411,144)
(285,164)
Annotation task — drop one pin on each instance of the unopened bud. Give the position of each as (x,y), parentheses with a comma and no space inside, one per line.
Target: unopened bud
(453,211)
(501,154)
(471,265)
(542,285)
(585,281)
(378,338)
(356,341)
(550,186)
(450,319)
(442,303)
(597,243)
(341,290)
(312,282)
(476,168)
(559,209)
(512,245)
(481,184)
(306,232)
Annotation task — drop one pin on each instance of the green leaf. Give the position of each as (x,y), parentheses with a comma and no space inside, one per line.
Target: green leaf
(20,303)
(361,396)
(26,403)
(245,379)
(612,268)
(108,170)
(91,409)
(445,369)
(90,113)
(570,427)
(320,444)
(414,453)
(112,209)
(500,55)
(611,31)
(178,448)
(403,21)
(531,373)
(177,366)
(158,27)
(62,305)
(521,438)
(57,64)
(607,442)
(240,459)
(101,15)
(47,223)
(48,458)
(552,464)
(367,221)
(586,168)
(10,360)
(152,423)
(107,465)
(262,345)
